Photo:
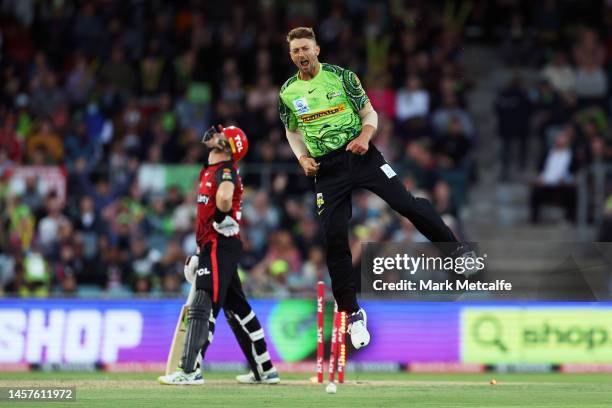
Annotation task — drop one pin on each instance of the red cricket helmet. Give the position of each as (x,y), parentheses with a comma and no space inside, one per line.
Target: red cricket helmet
(237,140)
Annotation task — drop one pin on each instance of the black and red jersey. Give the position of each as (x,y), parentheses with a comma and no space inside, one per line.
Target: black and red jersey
(210,179)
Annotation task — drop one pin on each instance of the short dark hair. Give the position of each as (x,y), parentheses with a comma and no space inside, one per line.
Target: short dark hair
(301,32)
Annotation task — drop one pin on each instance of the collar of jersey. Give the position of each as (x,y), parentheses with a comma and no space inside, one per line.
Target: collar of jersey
(218,163)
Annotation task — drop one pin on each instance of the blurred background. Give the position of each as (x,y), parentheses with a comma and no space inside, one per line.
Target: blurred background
(496,110)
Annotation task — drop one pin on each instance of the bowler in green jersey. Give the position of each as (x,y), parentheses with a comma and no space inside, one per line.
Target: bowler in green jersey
(329,122)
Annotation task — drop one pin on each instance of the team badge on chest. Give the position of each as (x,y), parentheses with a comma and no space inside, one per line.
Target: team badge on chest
(301,106)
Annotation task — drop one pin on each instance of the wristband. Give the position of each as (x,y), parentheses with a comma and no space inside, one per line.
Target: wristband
(220,215)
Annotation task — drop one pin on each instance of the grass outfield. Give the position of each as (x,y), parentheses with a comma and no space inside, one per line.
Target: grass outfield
(361,390)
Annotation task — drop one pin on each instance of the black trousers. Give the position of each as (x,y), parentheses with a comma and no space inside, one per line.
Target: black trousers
(217,270)
(217,274)
(340,172)
(562,195)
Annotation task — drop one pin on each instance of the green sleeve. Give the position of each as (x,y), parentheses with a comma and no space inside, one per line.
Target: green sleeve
(287,116)
(354,91)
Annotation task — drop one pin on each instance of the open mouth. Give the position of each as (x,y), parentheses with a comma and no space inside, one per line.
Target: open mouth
(304,63)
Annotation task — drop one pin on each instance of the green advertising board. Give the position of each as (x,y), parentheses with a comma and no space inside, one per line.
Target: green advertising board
(536,335)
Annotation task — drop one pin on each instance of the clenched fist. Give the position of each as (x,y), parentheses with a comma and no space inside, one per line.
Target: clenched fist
(309,165)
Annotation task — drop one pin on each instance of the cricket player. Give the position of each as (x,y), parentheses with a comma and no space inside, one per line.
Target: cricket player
(329,123)
(214,270)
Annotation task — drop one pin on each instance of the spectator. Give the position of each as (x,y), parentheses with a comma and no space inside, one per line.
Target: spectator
(49,225)
(158,223)
(69,270)
(605,231)
(314,269)
(47,96)
(77,145)
(9,140)
(513,115)
(560,74)
(452,148)
(263,95)
(591,81)
(382,96)
(117,72)
(103,194)
(80,80)
(169,269)
(261,219)
(412,101)
(31,196)
(21,224)
(555,182)
(451,109)
(141,266)
(46,141)
(36,278)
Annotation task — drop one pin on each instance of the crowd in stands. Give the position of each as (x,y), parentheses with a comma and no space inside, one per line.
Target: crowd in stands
(564,115)
(104,94)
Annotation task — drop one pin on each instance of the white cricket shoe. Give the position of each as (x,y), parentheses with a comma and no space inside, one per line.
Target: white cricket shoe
(269,377)
(358,329)
(182,378)
(464,251)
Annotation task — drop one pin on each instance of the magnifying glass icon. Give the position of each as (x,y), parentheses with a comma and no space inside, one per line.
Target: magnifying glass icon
(488,332)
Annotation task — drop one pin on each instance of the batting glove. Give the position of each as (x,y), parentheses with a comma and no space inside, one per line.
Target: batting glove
(191,264)
(228,227)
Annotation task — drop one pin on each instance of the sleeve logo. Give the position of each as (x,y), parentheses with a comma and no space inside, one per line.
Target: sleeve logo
(227,174)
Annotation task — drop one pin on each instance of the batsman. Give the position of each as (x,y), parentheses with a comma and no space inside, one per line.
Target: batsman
(213,271)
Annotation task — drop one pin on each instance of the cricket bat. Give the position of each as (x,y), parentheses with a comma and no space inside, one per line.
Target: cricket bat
(178,340)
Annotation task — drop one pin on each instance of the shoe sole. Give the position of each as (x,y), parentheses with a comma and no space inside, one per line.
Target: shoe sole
(196,382)
(266,382)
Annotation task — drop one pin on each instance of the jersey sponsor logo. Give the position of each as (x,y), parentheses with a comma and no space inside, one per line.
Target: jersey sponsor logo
(203,271)
(321,114)
(203,199)
(332,94)
(388,170)
(311,91)
(301,106)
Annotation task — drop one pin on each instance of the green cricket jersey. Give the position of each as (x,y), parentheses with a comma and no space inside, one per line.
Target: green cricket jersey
(325,108)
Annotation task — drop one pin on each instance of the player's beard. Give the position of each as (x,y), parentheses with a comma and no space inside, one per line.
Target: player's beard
(310,68)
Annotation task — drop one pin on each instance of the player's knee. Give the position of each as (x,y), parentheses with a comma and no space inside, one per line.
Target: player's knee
(408,204)
(200,306)
(337,242)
